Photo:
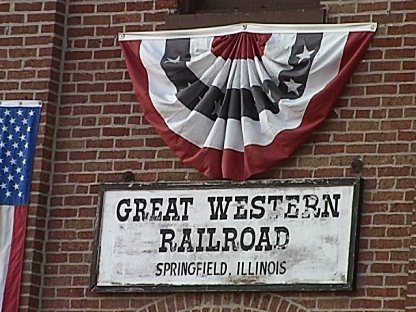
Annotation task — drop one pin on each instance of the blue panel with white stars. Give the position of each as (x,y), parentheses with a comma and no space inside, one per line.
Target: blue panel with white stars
(19,122)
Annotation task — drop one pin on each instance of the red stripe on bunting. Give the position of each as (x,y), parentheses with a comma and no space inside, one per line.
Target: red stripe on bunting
(14,271)
(240,46)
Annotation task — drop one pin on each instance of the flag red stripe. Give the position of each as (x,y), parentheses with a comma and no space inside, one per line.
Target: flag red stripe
(15,266)
(231,164)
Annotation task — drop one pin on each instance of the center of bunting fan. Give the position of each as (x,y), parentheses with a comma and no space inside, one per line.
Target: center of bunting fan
(240,46)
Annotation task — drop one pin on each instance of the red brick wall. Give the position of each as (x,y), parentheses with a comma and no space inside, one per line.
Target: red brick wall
(65,53)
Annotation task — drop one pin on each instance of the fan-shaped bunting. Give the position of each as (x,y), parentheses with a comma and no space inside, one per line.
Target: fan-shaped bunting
(233,101)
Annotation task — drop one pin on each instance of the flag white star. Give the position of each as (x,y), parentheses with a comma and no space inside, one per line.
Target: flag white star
(7,112)
(8,194)
(1,120)
(8,153)
(2,144)
(22,137)
(20,194)
(12,121)
(306,54)
(13,161)
(31,113)
(17,129)
(10,177)
(24,121)
(292,86)
(4,129)
(10,137)
(21,154)
(19,112)
(18,170)
(3,186)
(5,169)
(15,145)
(16,186)
(174,61)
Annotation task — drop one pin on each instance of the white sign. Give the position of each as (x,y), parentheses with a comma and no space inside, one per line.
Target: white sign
(284,235)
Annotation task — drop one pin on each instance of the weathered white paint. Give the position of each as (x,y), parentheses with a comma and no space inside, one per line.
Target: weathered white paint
(317,251)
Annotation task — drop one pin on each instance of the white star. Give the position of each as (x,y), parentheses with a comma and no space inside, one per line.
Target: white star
(1,160)
(4,129)
(292,86)
(306,54)
(1,120)
(10,177)
(8,194)
(6,169)
(15,145)
(12,120)
(20,154)
(17,129)
(19,112)
(31,113)
(174,61)
(7,112)
(28,129)
(18,170)
(24,121)
(20,194)
(10,137)
(8,153)
(22,178)
(13,161)
(24,162)
(26,145)
(16,186)
(22,137)
(3,186)
(2,144)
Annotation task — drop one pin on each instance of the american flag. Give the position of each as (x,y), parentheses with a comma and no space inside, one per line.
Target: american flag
(233,101)
(19,121)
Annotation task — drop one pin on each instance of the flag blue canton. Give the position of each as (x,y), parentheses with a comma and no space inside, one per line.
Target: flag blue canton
(18,132)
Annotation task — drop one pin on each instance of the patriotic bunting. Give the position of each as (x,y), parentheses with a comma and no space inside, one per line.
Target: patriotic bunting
(233,101)
(18,131)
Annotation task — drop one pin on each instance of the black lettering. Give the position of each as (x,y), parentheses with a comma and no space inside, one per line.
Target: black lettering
(332,207)
(264,239)
(167,240)
(260,213)
(156,205)
(274,200)
(241,206)
(282,237)
(200,231)
(243,244)
(211,232)
(159,269)
(219,208)
(140,207)
(292,206)
(282,267)
(186,201)
(125,216)
(230,234)
(172,209)
(311,201)
(186,240)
